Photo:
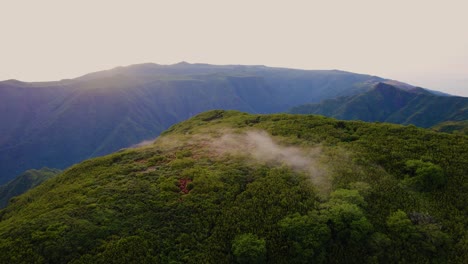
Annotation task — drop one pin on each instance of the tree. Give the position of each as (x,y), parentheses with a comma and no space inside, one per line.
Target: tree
(248,248)
(415,243)
(424,176)
(132,249)
(350,229)
(308,235)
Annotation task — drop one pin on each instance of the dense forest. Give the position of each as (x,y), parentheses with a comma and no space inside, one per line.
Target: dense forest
(231,187)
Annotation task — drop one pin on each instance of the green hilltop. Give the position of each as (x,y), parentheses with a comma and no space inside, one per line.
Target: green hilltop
(231,187)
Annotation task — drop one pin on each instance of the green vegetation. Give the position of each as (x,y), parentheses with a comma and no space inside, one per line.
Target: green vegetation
(424,176)
(355,192)
(248,248)
(387,103)
(457,127)
(24,182)
(58,124)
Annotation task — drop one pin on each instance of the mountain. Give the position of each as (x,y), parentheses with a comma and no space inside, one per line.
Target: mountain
(57,124)
(387,103)
(230,187)
(24,182)
(452,127)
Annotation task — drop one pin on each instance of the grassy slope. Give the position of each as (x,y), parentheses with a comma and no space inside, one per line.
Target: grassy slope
(24,182)
(134,205)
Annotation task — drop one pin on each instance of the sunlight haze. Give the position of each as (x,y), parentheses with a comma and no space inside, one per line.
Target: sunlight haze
(423,43)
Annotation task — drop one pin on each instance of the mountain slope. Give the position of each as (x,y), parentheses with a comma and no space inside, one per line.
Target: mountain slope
(23,182)
(229,187)
(57,124)
(387,103)
(452,127)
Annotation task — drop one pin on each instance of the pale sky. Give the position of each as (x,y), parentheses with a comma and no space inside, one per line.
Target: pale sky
(424,43)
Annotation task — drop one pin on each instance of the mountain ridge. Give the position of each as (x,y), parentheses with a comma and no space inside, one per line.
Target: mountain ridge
(387,103)
(57,124)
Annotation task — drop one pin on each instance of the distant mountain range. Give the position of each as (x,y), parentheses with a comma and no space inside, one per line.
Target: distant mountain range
(57,124)
(387,103)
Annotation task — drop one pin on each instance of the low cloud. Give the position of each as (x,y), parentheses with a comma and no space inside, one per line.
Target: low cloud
(261,147)
(143,143)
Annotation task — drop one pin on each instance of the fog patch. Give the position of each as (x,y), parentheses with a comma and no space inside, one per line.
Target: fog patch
(142,143)
(261,147)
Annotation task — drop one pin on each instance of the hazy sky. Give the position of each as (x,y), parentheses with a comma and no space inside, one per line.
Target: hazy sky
(424,43)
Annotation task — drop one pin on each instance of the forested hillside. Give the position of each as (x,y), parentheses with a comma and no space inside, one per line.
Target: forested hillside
(57,124)
(230,187)
(387,103)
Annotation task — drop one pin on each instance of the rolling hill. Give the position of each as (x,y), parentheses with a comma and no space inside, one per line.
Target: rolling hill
(57,124)
(452,127)
(231,187)
(23,182)
(387,103)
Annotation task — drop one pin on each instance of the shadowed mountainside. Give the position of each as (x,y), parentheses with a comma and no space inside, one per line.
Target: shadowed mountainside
(387,103)
(57,124)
